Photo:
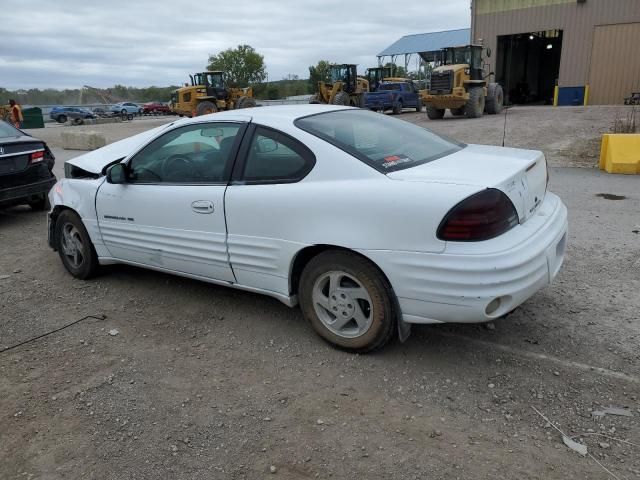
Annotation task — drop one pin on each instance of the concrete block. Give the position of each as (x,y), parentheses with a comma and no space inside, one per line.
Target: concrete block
(82,140)
(620,153)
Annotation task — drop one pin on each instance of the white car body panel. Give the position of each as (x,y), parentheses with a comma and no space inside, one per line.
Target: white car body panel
(156,225)
(391,219)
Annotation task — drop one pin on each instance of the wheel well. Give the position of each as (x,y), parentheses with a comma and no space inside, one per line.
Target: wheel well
(303,257)
(55,213)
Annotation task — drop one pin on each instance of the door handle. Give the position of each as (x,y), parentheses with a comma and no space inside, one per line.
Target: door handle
(202,206)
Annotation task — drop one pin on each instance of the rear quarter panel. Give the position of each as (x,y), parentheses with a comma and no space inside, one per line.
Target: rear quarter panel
(342,202)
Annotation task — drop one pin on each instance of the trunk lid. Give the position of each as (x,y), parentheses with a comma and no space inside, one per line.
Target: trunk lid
(520,174)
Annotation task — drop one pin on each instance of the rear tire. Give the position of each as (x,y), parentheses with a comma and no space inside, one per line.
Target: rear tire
(205,108)
(40,204)
(341,98)
(457,112)
(74,246)
(62,118)
(314,99)
(248,102)
(348,301)
(434,113)
(495,99)
(475,106)
(419,105)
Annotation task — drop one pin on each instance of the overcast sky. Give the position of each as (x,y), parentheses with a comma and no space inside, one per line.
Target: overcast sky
(69,43)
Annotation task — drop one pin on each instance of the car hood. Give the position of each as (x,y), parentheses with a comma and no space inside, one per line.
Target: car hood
(96,160)
(521,174)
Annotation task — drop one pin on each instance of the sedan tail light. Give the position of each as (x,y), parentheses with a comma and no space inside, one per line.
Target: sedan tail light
(37,156)
(482,216)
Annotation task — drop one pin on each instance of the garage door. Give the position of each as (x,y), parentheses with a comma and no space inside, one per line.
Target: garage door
(615,63)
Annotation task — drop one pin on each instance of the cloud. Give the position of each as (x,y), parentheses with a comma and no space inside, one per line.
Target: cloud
(141,43)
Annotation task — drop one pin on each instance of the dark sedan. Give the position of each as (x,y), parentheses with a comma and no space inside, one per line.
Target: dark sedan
(26,169)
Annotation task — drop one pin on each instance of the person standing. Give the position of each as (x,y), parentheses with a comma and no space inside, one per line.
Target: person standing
(16,114)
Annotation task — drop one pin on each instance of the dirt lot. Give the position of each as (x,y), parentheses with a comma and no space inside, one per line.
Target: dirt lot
(203,382)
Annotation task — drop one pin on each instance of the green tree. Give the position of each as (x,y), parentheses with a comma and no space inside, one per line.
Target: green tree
(242,65)
(319,72)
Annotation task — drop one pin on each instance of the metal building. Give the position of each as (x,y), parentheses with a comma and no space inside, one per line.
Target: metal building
(588,49)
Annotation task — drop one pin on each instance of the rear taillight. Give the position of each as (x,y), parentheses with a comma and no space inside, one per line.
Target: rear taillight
(37,156)
(482,216)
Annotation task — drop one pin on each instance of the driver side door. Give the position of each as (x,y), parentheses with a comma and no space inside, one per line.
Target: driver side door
(169,213)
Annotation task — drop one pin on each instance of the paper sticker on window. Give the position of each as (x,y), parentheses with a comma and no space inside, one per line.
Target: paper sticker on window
(393,160)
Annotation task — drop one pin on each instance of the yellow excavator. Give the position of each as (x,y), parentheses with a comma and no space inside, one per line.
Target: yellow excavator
(345,88)
(209,94)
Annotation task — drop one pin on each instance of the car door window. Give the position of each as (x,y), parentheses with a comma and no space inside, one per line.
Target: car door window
(274,157)
(193,154)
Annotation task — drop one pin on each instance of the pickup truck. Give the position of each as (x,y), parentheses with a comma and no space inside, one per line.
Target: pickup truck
(393,96)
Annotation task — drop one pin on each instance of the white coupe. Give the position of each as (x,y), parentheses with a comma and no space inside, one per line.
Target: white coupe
(370,223)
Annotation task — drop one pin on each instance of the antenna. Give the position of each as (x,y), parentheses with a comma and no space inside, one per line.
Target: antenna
(504,130)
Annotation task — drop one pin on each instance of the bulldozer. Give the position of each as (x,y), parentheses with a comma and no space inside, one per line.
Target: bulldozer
(208,94)
(345,88)
(459,83)
(376,75)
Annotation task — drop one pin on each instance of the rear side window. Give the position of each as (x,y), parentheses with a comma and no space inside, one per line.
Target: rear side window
(385,143)
(276,158)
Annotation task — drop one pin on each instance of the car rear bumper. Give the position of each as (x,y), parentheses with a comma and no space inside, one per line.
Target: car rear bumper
(479,281)
(13,195)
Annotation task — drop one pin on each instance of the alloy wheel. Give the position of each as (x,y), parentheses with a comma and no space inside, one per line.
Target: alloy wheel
(342,304)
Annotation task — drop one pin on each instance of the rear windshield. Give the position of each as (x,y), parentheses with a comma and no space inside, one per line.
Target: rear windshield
(385,143)
(7,130)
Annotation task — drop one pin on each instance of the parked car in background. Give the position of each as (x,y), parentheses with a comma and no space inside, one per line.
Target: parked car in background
(26,169)
(370,223)
(62,114)
(393,96)
(125,108)
(156,108)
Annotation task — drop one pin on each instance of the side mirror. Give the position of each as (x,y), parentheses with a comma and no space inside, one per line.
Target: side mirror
(266,145)
(117,173)
(488,52)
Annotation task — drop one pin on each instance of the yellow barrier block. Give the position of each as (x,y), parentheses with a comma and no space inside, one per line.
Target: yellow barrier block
(620,153)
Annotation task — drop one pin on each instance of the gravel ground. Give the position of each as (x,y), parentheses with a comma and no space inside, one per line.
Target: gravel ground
(186,380)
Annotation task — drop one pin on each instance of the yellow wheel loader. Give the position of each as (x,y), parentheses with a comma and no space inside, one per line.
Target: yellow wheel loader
(209,94)
(460,85)
(346,88)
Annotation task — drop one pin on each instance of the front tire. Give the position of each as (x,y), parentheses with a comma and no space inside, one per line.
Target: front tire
(205,108)
(74,246)
(348,301)
(475,106)
(341,98)
(62,118)
(397,108)
(434,113)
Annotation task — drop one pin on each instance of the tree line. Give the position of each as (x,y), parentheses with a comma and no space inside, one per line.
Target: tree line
(243,66)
